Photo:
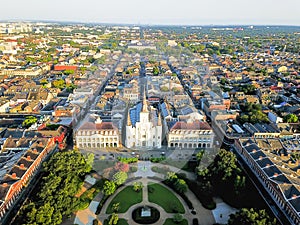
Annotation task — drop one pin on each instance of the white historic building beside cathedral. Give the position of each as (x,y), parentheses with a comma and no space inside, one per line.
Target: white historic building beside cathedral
(144,127)
(97,134)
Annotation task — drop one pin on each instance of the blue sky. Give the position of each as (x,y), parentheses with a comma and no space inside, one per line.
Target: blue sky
(193,12)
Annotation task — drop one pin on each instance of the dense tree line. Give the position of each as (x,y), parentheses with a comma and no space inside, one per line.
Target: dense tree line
(222,177)
(64,174)
(253,113)
(251,217)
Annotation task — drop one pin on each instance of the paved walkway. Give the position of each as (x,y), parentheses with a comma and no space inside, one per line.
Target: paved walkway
(222,211)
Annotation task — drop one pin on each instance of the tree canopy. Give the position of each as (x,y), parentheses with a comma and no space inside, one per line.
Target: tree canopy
(64,174)
(120,177)
(251,217)
(290,118)
(222,176)
(29,120)
(109,187)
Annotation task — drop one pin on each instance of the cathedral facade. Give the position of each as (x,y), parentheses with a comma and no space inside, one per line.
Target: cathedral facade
(144,127)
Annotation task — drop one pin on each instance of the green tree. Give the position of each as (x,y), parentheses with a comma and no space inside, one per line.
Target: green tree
(113,219)
(291,118)
(180,185)
(63,175)
(93,68)
(82,69)
(171,177)
(68,72)
(30,212)
(29,120)
(177,218)
(44,214)
(65,164)
(164,89)
(119,177)
(137,186)
(223,81)
(89,158)
(96,222)
(109,188)
(155,70)
(251,217)
(60,83)
(44,81)
(199,155)
(116,207)
(224,165)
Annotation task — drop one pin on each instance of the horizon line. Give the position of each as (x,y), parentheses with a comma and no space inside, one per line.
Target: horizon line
(142,24)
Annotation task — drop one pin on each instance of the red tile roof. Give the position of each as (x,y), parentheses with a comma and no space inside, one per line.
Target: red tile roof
(98,126)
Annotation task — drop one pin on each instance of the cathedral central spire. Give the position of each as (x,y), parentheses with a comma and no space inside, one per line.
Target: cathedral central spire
(128,119)
(145,106)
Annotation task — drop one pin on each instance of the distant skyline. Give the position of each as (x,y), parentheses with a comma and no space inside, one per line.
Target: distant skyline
(156,12)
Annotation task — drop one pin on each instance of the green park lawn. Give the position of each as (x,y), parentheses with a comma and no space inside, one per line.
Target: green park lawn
(127,198)
(165,198)
(120,222)
(170,221)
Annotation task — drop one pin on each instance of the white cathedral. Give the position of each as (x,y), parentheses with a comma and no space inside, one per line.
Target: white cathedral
(144,127)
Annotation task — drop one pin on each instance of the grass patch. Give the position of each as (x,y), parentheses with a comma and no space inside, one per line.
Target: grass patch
(120,222)
(100,165)
(133,169)
(170,221)
(127,198)
(165,198)
(180,164)
(162,170)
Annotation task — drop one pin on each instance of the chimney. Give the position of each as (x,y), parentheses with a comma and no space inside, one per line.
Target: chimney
(28,157)
(14,175)
(22,166)
(35,150)
(294,196)
(275,174)
(4,185)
